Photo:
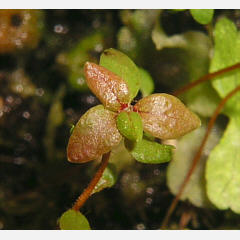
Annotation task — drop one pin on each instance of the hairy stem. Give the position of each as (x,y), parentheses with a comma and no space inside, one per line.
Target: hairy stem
(205,78)
(87,192)
(197,157)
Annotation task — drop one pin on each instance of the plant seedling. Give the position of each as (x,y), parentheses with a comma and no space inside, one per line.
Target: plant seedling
(116,81)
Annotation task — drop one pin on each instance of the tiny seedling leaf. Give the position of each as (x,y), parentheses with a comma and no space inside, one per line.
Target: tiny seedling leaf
(146,151)
(73,220)
(130,125)
(203,16)
(165,116)
(94,134)
(120,64)
(111,89)
(107,180)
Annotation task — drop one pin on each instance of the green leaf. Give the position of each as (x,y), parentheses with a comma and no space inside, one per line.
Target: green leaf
(146,83)
(186,148)
(130,125)
(95,133)
(165,116)
(107,180)
(226,53)
(202,99)
(124,67)
(203,16)
(223,169)
(222,172)
(73,220)
(146,151)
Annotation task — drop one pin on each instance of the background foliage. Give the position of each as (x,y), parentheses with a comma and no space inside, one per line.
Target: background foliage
(43,92)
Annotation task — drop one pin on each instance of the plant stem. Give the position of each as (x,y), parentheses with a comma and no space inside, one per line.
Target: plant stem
(87,192)
(207,77)
(197,157)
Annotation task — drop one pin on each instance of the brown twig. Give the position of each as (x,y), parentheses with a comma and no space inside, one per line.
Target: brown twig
(87,192)
(197,157)
(205,78)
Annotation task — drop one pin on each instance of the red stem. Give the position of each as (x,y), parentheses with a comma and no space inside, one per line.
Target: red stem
(87,192)
(205,78)
(197,157)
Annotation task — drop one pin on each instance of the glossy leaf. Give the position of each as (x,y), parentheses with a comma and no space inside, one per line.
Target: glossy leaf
(124,67)
(166,117)
(223,169)
(146,83)
(94,134)
(73,220)
(226,53)
(111,90)
(130,125)
(146,151)
(186,148)
(107,180)
(203,16)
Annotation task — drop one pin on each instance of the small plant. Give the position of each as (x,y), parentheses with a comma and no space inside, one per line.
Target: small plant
(116,82)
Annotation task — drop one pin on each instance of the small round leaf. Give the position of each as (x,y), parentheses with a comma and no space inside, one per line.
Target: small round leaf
(130,125)
(107,180)
(73,220)
(146,151)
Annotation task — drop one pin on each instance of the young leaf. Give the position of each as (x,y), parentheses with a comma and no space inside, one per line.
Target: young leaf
(73,220)
(223,169)
(146,83)
(146,151)
(166,117)
(186,148)
(111,89)
(203,16)
(130,125)
(124,67)
(94,134)
(226,53)
(107,180)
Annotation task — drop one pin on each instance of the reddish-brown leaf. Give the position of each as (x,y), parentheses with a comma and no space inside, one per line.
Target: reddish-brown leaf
(165,116)
(111,90)
(95,134)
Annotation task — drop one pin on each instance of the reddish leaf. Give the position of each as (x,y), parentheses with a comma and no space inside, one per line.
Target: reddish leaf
(111,89)
(166,117)
(95,134)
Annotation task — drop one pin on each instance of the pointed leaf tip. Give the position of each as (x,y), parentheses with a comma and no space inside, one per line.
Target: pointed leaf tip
(165,116)
(111,89)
